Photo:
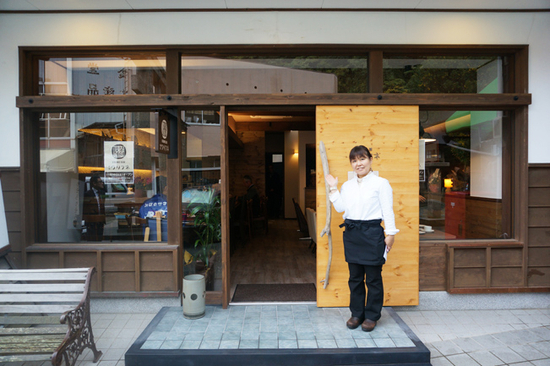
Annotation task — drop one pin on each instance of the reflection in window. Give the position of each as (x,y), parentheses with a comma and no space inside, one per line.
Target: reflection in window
(268,75)
(102,180)
(461,175)
(443,74)
(102,75)
(201,195)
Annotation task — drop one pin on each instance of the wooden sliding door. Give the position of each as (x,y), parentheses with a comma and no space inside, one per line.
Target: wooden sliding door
(392,133)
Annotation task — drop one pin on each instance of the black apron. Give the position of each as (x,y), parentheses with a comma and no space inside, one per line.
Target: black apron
(364,242)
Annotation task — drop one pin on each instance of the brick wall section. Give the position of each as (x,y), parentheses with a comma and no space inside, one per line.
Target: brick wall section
(249,160)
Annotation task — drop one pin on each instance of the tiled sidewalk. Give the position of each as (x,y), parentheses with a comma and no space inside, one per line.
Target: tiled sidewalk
(459,338)
(483,337)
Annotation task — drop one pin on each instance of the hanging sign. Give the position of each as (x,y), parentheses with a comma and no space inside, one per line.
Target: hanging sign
(119,161)
(163,133)
(422,160)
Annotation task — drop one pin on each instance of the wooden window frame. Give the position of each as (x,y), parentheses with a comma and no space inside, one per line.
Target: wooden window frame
(515,99)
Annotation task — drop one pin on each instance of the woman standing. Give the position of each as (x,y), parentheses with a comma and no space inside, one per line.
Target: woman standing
(366,200)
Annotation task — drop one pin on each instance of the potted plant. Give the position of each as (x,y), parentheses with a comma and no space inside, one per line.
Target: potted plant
(206,210)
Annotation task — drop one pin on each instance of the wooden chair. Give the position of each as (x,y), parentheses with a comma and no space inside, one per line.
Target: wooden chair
(136,224)
(312,225)
(302,222)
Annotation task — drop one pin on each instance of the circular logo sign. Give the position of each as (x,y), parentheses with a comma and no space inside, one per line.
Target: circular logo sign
(118,151)
(164,128)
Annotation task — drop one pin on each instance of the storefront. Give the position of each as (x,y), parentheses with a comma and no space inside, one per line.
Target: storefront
(114,138)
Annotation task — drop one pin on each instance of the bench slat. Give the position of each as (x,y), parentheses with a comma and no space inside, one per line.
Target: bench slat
(38,330)
(26,358)
(29,320)
(33,309)
(51,270)
(38,340)
(40,298)
(42,276)
(43,287)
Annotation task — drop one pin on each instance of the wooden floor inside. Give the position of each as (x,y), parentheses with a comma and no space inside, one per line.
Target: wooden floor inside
(278,257)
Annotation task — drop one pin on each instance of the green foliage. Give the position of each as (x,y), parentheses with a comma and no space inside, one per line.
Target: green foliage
(208,223)
(428,77)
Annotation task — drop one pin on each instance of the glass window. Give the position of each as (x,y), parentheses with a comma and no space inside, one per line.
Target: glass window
(101,178)
(269,75)
(443,74)
(201,195)
(102,75)
(461,175)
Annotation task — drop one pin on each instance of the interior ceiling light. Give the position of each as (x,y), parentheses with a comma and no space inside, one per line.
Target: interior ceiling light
(270,117)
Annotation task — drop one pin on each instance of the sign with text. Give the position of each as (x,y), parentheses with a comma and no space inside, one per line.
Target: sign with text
(163,133)
(119,161)
(422,160)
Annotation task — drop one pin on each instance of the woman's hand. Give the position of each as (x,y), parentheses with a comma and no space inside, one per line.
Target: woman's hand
(332,182)
(389,241)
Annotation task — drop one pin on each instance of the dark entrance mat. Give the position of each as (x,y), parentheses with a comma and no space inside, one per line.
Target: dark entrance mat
(275,292)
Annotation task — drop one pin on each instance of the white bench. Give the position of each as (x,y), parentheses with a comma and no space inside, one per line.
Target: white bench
(45,315)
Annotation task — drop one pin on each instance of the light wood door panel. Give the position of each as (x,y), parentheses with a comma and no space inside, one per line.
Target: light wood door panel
(392,133)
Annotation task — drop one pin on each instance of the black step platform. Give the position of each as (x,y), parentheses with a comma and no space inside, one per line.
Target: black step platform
(294,335)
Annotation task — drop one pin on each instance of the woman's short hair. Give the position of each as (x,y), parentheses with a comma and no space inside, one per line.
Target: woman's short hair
(359,151)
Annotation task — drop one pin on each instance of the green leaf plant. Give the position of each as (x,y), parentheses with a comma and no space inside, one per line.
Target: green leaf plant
(207,215)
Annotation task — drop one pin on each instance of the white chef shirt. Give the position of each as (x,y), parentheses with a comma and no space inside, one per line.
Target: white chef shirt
(368,198)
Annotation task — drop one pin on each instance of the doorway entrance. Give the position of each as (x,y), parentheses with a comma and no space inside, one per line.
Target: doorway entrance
(272,256)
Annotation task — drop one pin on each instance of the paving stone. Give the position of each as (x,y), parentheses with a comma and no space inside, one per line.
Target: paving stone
(507,355)
(171,344)
(447,348)
(288,343)
(441,361)
(327,343)
(542,332)
(249,344)
(365,343)
(190,345)
(307,343)
(269,343)
(527,352)
(229,344)
(488,342)
(467,344)
(543,347)
(346,343)
(462,360)
(485,358)
(209,344)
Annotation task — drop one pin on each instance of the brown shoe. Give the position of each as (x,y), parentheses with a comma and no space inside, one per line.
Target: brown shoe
(368,325)
(353,322)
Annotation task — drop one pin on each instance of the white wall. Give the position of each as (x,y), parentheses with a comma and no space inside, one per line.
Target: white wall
(292,169)
(276,28)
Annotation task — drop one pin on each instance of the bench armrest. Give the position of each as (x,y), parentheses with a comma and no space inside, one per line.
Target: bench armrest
(79,335)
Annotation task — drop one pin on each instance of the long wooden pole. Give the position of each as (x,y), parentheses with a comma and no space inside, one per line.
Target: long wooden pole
(326,229)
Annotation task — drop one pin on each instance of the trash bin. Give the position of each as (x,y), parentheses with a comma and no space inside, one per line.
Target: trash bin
(193,296)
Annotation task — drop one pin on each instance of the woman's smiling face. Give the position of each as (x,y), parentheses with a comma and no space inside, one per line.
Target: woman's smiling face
(361,165)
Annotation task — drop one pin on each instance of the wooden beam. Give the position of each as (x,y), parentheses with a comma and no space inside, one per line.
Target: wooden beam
(147,101)
(225,249)
(376,72)
(234,141)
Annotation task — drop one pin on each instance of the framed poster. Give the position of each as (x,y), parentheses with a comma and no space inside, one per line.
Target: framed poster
(119,162)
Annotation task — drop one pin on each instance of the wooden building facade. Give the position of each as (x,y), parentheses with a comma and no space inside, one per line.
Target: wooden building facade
(492,231)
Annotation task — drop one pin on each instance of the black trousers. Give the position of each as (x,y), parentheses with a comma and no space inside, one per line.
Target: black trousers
(360,274)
